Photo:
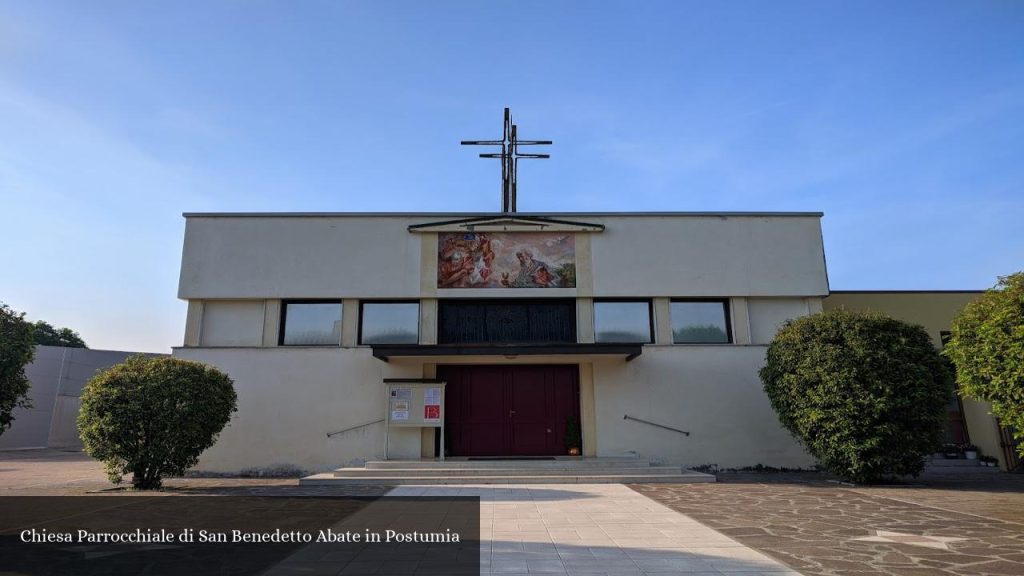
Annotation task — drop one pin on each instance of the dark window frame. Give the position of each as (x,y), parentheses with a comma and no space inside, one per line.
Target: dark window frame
(726,309)
(284,320)
(359,329)
(650,316)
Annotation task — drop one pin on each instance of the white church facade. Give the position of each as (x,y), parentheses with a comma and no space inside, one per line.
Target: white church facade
(614,331)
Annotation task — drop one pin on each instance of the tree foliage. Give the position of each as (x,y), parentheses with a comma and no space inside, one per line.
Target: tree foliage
(987,347)
(863,392)
(17,350)
(47,335)
(153,417)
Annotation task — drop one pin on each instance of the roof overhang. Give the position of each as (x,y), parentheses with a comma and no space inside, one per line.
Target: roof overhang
(507,223)
(387,352)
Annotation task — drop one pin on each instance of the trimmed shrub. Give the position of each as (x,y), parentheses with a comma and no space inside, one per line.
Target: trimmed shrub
(153,417)
(865,393)
(17,350)
(987,347)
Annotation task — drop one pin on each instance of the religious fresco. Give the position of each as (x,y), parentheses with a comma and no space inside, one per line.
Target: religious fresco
(506,260)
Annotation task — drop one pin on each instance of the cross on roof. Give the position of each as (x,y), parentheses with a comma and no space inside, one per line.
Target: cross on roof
(509,157)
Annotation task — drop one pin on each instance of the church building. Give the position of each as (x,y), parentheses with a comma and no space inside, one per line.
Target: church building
(615,334)
(355,337)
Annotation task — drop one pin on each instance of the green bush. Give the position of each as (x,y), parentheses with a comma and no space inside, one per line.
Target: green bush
(17,349)
(987,347)
(865,393)
(153,417)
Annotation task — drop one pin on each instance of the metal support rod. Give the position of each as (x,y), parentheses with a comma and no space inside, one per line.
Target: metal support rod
(628,417)
(350,428)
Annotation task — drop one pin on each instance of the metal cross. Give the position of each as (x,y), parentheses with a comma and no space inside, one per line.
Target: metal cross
(509,157)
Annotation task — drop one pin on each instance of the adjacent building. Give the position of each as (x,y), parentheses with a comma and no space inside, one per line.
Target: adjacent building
(968,421)
(57,376)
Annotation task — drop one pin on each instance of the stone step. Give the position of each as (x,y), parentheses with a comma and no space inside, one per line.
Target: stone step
(438,472)
(559,463)
(687,476)
(954,463)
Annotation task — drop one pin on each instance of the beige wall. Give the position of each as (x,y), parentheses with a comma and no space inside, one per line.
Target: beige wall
(767,315)
(232,323)
(935,312)
(358,256)
(290,398)
(713,392)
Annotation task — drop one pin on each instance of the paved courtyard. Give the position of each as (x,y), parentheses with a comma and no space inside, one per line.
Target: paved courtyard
(596,529)
(747,523)
(939,527)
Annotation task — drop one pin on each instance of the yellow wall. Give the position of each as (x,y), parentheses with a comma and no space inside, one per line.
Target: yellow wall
(935,312)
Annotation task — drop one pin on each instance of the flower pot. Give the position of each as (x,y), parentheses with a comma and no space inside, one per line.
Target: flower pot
(971,454)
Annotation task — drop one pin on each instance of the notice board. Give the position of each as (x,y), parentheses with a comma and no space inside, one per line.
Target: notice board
(416,404)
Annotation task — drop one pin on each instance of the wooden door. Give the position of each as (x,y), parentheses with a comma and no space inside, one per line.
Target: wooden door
(476,417)
(509,410)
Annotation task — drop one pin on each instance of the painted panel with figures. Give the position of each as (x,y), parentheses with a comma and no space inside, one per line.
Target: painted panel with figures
(506,260)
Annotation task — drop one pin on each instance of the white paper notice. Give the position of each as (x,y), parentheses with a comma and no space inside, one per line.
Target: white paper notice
(432,397)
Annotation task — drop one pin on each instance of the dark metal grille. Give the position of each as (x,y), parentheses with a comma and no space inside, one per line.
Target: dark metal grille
(506,321)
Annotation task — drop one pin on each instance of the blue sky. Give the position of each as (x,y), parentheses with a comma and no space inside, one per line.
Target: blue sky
(902,121)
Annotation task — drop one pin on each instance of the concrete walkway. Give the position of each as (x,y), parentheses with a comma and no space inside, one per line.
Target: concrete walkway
(596,529)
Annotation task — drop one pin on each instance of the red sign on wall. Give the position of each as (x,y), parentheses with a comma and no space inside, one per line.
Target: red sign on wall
(432,412)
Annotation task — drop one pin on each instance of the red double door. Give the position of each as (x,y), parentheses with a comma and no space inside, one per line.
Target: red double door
(509,410)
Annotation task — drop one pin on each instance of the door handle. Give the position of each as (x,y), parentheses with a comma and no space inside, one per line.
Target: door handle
(511,412)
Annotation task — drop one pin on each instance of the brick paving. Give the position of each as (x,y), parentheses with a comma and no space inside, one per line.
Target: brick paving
(942,524)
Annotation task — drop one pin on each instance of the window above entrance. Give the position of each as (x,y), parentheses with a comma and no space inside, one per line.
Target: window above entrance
(507,321)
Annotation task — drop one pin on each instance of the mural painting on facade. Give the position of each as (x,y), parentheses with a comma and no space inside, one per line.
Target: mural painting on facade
(506,260)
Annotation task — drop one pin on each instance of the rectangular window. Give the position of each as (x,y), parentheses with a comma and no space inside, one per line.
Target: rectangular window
(310,324)
(511,321)
(623,321)
(700,322)
(389,323)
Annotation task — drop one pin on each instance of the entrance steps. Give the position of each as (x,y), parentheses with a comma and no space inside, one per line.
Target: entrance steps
(958,465)
(566,470)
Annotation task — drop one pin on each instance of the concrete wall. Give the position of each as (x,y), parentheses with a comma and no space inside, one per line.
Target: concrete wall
(290,398)
(58,376)
(232,323)
(708,256)
(935,312)
(713,392)
(354,256)
(767,315)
